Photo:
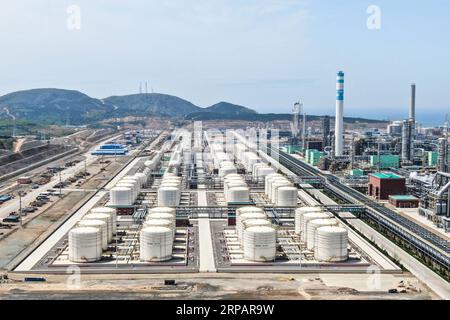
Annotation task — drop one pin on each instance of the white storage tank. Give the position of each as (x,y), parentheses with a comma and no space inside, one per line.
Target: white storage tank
(260,244)
(270,184)
(163,210)
(256,167)
(308,217)
(168,196)
(85,244)
(111,211)
(136,186)
(264,171)
(248,209)
(238,194)
(156,244)
(331,244)
(130,186)
(159,223)
(242,218)
(275,186)
(225,170)
(151,164)
(287,197)
(163,216)
(131,178)
(299,212)
(312,227)
(268,179)
(120,196)
(142,178)
(103,217)
(232,175)
(102,225)
(248,223)
(233,184)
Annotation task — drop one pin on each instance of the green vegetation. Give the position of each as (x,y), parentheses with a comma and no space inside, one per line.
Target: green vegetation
(59,107)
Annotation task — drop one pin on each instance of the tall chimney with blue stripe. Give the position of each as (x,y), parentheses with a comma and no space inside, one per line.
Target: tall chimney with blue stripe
(339,121)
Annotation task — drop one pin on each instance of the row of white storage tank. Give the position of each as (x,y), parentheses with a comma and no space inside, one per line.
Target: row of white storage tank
(157,235)
(322,234)
(92,234)
(235,189)
(261,170)
(280,191)
(152,164)
(256,234)
(169,191)
(126,191)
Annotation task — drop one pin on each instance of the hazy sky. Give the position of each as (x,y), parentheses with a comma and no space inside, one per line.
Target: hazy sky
(265,54)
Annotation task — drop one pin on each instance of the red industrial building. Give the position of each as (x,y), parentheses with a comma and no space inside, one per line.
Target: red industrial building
(382,185)
(404,201)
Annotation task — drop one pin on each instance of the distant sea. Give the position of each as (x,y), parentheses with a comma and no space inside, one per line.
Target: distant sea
(431,119)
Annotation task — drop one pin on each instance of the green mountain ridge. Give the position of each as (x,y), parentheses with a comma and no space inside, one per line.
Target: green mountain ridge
(61,106)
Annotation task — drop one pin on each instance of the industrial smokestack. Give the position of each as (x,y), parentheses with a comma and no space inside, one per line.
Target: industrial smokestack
(339,121)
(412,103)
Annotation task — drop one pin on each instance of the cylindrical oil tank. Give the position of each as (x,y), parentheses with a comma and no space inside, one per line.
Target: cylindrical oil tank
(162,210)
(136,186)
(142,178)
(85,244)
(308,217)
(168,196)
(131,186)
(156,244)
(233,184)
(226,163)
(248,209)
(159,223)
(287,197)
(102,225)
(275,186)
(267,179)
(151,164)
(312,227)
(256,167)
(135,182)
(241,218)
(103,217)
(331,244)
(162,215)
(121,196)
(232,175)
(260,244)
(170,184)
(238,194)
(263,172)
(111,211)
(270,184)
(299,212)
(256,223)
(225,170)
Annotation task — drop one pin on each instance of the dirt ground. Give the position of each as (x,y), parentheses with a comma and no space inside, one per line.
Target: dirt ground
(214,286)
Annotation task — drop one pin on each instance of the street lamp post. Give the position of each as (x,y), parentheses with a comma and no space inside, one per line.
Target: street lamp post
(20,208)
(60,184)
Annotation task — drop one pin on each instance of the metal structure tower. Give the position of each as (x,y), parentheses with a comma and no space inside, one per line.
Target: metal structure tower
(304,131)
(296,119)
(339,120)
(412,109)
(326,131)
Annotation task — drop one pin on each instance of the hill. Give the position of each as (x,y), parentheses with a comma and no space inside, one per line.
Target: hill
(50,106)
(151,104)
(59,106)
(227,108)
